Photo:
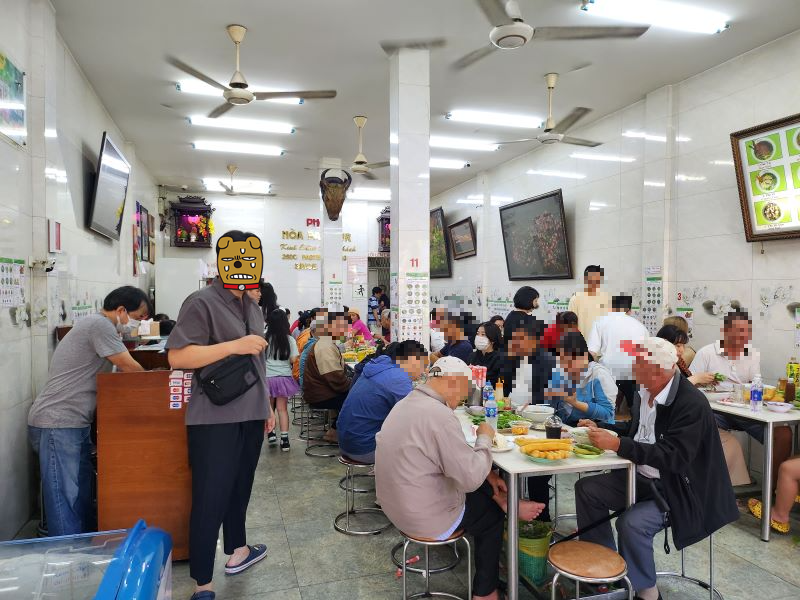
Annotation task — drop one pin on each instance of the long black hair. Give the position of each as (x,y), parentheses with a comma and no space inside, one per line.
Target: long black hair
(494,334)
(269,299)
(278,335)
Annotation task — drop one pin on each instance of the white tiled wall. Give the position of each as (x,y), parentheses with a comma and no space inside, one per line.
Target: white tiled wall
(615,216)
(58,98)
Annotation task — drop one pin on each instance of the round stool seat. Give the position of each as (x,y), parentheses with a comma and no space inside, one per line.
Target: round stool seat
(586,560)
(421,540)
(346,460)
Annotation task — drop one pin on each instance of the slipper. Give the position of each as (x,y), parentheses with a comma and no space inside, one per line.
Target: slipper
(258,552)
(204,595)
(755,508)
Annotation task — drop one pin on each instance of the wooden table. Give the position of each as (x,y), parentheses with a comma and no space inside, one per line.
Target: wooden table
(768,419)
(517,465)
(142,460)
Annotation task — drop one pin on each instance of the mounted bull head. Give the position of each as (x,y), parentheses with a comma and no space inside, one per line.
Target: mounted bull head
(334,190)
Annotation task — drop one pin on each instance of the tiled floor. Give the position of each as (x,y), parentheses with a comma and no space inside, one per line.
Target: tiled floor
(296,497)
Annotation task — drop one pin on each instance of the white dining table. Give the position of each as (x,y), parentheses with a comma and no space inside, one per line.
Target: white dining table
(769,420)
(515,465)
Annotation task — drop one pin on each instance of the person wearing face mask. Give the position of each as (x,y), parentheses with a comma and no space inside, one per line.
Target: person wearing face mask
(488,351)
(60,419)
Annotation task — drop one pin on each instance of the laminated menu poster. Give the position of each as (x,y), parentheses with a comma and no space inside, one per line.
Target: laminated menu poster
(413,309)
(652,299)
(767,160)
(12,282)
(499,307)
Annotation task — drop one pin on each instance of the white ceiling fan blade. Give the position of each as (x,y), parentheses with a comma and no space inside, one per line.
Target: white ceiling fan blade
(579,142)
(473,57)
(378,165)
(544,34)
(369,175)
(567,122)
(522,141)
(392,46)
(179,64)
(228,188)
(305,95)
(495,11)
(220,110)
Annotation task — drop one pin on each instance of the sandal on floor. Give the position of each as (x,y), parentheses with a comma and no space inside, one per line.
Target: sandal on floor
(204,595)
(755,507)
(258,552)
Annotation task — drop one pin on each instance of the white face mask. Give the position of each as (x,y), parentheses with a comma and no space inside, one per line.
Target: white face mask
(481,342)
(127,328)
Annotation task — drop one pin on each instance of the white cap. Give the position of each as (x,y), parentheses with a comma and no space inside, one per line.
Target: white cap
(450,365)
(654,350)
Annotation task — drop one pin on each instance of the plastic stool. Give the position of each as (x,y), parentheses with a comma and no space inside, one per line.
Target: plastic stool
(458,536)
(350,502)
(585,562)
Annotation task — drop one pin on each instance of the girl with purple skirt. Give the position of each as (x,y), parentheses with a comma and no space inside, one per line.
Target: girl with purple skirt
(281,354)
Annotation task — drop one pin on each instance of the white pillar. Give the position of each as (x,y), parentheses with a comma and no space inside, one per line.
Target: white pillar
(409,124)
(332,271)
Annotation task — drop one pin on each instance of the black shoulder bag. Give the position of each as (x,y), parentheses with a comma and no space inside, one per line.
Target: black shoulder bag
(229,378)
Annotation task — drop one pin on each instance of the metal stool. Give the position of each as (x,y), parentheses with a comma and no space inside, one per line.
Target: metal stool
(458,536)
(321,449)
(350,502)
(585,562)
(296,407)
(312,425)
(448,567)
(357,490)
(709,585)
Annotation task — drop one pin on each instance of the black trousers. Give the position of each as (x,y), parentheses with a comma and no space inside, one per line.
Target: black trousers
(483,520)
(334,403)
(539,491)
(223,459)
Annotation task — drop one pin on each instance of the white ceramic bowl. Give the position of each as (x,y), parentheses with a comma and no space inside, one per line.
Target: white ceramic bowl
(537,413)
(778,407)
(476,411)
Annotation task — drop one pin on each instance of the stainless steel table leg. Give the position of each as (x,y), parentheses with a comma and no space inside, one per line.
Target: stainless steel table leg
(631,484)
(512,556)
(766,492)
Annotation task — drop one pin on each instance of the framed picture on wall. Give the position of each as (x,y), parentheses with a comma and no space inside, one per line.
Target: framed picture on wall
(535,238)
(137,230)
(152,256)
(462,239)
(13,125)
(767,162)
(146,250)
(440,250)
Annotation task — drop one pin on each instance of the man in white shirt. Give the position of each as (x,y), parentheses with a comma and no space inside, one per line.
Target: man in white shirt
(680,469)
(592,302)
(739,362)
(607,333)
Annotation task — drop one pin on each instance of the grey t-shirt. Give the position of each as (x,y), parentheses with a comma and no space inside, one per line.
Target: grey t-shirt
(211,316)
(69,397)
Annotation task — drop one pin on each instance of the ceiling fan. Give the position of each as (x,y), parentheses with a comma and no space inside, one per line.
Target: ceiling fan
(556,132)
(360,164)
(229,190)
(237,93)
(510,31)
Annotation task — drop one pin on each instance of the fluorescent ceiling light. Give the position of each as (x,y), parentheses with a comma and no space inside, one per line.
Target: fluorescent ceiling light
(657,184)
(245,186)
(447,163)
(237,147)
(602,157)
(193,86)
(8,105)
(682,177)
(722,163)
(492,118)
(437,141)
(242,124)
(50,133)
(660,13)
(370,193)
(562,174)
(652,137)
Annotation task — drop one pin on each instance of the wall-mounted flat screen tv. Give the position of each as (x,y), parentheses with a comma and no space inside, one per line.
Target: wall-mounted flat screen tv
(110,189)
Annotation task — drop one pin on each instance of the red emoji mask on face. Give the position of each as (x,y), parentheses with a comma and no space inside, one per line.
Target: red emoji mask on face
(239,263)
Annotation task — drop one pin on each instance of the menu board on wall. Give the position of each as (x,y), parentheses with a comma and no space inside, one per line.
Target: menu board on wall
(12,282)
(414,302)
(499,307)
(767,162)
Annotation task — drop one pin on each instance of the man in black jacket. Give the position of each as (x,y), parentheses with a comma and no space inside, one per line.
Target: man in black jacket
(674,442)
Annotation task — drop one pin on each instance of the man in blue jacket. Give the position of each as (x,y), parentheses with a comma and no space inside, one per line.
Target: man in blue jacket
(383,382)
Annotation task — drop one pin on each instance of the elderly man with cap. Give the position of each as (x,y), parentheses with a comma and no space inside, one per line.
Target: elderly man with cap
(430,483)
(680,468)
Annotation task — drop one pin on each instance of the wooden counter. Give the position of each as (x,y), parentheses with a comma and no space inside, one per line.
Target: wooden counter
(142,463)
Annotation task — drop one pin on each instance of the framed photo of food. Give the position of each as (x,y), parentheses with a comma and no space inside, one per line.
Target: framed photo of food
(767,163)
(439,248)
(535,238)
(462,239)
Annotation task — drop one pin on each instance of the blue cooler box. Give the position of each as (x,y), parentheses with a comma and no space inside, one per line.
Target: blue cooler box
(133,564)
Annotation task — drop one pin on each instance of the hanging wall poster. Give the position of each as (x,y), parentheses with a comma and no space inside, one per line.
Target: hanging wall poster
(12,98)
(440,266)
(767,163)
